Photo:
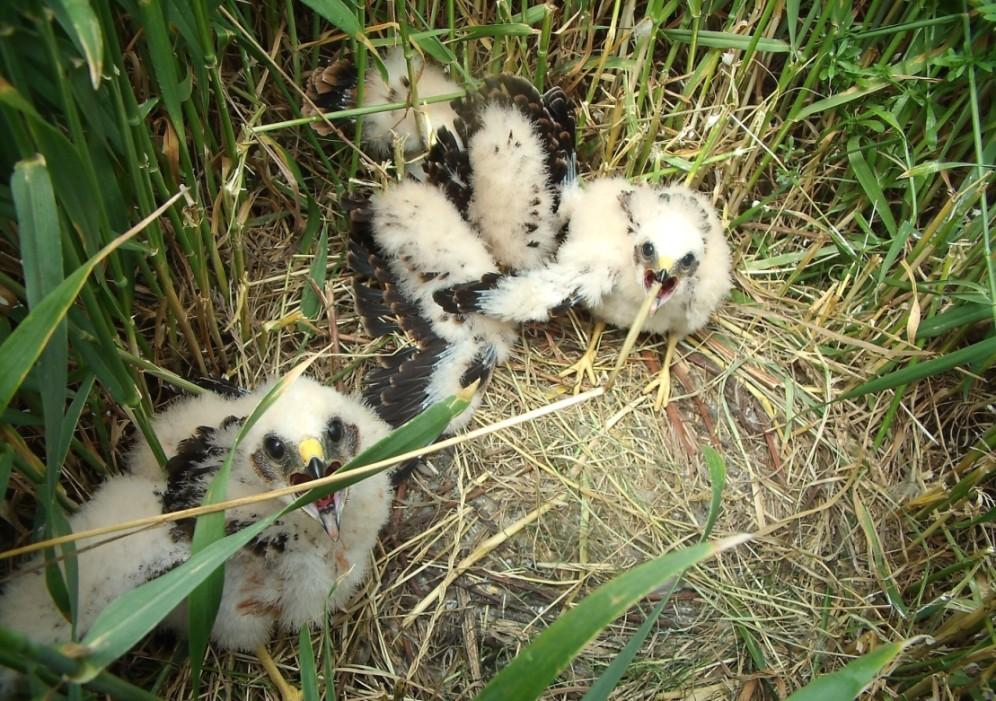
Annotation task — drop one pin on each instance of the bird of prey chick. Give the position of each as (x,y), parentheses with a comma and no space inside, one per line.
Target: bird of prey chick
(334,88)
(280,580)
(482,210)
(621,240)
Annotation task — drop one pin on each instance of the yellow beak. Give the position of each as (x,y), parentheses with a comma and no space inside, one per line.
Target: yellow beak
(665,263)
(310,449)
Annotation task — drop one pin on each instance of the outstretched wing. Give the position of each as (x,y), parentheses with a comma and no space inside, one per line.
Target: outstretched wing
(381,306)
(551,113)
(425,366)
(534,295)
(220,385)
(447,166)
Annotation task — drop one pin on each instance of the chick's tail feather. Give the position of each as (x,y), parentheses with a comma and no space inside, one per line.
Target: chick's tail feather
(330,89)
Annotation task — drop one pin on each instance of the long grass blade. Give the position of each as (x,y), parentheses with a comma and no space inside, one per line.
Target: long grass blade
(311,304)
(338,13)
(163,62)
(21,349)
(306,661)
(40,238)
(610,677)
(877,556)
(80,22)
(849,681)
(717,481)
(959,358)
(537,665)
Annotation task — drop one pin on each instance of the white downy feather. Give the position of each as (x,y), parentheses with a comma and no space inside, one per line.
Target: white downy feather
(512,205)
(381,128)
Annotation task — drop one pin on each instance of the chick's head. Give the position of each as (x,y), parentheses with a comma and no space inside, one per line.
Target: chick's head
(310,432)
(669,227)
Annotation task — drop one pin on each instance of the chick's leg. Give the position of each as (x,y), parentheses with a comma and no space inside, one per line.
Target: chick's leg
(287,692)
(586,365)
(663,381)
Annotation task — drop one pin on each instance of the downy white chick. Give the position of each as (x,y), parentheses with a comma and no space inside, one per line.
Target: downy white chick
(406,243)
(621,238)
(333,88)
(282,578)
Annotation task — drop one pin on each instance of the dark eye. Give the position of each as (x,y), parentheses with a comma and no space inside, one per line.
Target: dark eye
(334,431)
(274,447)
(647,250)
(687,260)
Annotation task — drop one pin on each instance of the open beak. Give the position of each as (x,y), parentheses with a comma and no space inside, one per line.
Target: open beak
(327,510)
(661,274)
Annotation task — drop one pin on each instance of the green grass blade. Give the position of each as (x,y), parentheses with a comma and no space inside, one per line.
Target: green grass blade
(338,13)
(878,558)
(163,62)
(869,183)
(131,616)
(328,669)
(21,349)
(498,30)
(899,239)
(912,373)
(204,601)
(536,666)
(306,662)
(40,239)
(610,677)
(717,478)
(435,48)
(849,681)
(311,305)
(64,164)
(39,233)
(60,447)
(82,26)
(726,40)
(792,19)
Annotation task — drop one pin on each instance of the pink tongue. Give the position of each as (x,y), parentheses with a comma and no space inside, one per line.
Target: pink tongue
(325,502)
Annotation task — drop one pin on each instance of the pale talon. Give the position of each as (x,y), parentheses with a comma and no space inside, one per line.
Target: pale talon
(586,364)
(287,691)
(663,381)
